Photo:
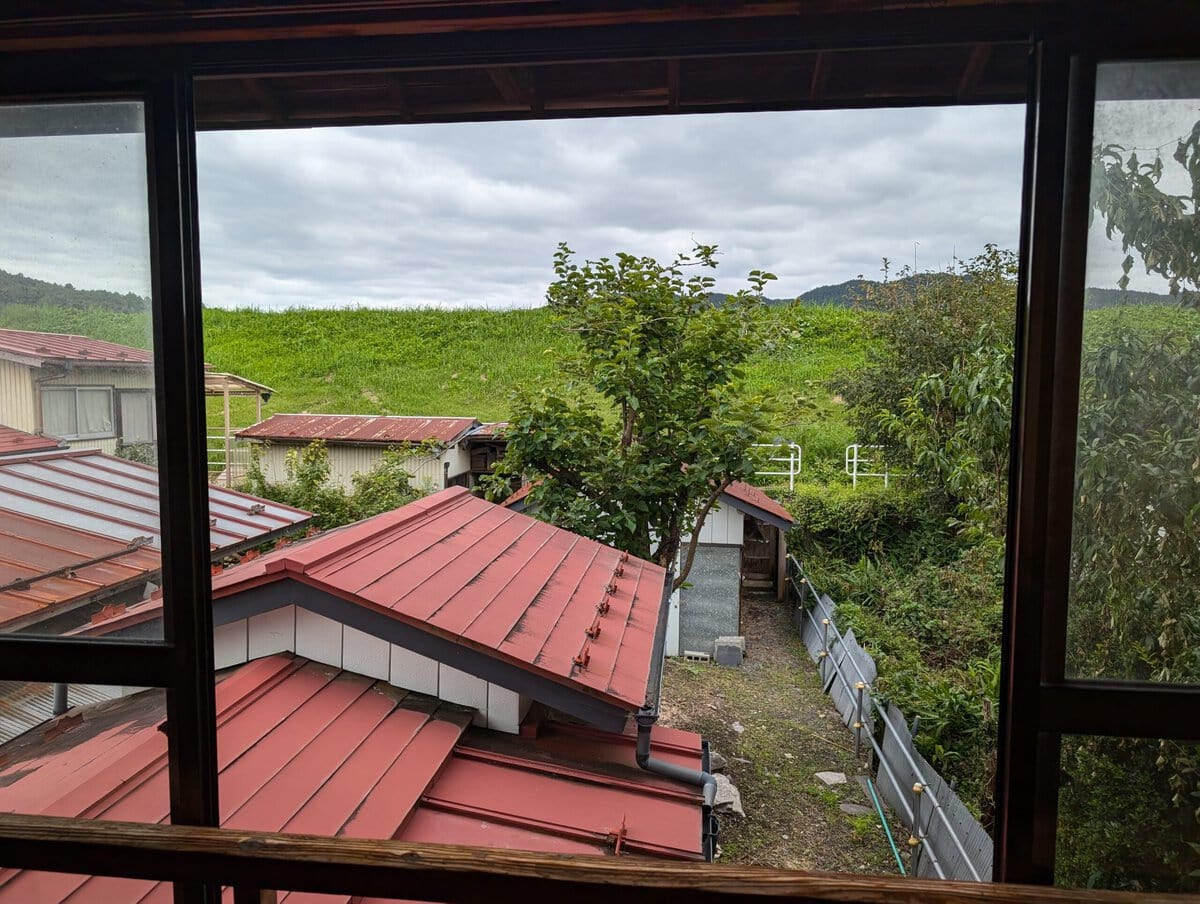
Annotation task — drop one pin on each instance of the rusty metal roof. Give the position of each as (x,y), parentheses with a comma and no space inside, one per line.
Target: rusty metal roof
(17,442)
(752,501)
(39,348)
(358,428)
(117,498)
(307,748)
(47,568)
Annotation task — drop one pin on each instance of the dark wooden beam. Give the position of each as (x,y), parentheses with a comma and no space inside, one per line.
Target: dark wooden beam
(976,63)
(673,85)
(516,86)
(250,861)
(820,76)
(266,99)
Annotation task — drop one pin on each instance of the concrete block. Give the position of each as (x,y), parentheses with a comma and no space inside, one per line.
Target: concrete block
(730,650)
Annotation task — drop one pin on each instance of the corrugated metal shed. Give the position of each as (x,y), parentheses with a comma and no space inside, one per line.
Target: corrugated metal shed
(358,428)
(17,442)
(117,498)
(489,431)
(41,348)
(311,749)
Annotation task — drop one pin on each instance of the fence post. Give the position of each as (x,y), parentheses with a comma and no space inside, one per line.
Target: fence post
(914,839)
(858,719)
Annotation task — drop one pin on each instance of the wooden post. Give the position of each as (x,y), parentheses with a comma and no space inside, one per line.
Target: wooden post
(228,463)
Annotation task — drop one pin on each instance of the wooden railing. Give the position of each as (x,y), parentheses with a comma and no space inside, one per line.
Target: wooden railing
(253,861)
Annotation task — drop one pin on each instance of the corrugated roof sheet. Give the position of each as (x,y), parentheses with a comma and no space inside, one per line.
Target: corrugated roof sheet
(47,567)
(358,428)
(307,748)
(36,348)
(17,442)
(117,498)
(493,430)
(25,706)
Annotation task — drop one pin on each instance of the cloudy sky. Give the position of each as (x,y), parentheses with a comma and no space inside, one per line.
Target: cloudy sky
(470,214)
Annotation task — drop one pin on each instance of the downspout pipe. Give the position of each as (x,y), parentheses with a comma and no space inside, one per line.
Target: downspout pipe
(648,716)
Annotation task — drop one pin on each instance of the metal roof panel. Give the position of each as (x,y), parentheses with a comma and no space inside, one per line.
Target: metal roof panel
(359,428)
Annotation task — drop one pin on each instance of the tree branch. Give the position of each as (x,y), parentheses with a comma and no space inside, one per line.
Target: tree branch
(686,568)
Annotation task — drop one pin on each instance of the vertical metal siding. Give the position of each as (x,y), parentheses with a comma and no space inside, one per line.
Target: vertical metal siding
(346,461)
(18,407)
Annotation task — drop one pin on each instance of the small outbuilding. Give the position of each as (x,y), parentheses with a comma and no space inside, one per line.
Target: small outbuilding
(442,451)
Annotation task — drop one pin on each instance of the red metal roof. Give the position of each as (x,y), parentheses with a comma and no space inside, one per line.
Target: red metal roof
(495,430)
(358,428)
(47,567)
(117,498)
(497,580)
(566,608)
(16,442)
(36,348)
(307,748)
(737,494)
(751,495)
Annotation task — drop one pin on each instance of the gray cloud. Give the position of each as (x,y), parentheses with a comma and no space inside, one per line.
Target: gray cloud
(470,214)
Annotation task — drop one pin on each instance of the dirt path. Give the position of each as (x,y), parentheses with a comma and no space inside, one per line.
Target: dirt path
(789,732)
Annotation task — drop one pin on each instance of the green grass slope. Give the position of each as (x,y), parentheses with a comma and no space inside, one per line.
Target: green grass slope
(437,362)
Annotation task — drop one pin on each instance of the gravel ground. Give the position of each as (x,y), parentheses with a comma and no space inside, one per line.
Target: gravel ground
(776,728)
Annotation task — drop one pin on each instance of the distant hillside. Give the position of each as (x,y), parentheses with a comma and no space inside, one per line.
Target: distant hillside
(16,288)
(1107,298)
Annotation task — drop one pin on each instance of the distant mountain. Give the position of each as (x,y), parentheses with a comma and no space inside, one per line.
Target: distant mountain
(1107,298)
(15,288)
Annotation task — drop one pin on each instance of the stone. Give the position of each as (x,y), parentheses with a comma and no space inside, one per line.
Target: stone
(832,778)
(856,810)
(730,651)
(728,799)
(716,762)
(738,727)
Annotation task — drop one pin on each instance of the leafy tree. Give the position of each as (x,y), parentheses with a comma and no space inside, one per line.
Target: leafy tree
(927,324)
(955,428)
(650,423)
(1135,568)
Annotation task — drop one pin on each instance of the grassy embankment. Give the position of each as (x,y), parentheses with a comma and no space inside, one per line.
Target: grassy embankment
(462,363)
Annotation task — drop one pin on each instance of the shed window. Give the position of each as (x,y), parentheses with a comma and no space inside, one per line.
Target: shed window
(77,412)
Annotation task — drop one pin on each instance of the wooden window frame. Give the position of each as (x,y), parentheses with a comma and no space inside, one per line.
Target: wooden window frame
(1038,705)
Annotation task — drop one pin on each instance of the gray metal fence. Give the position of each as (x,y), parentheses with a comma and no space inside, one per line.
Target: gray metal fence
(944,840)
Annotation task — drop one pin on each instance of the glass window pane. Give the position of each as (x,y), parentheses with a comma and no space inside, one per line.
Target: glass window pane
(95,412)
(137,417)
(1135,567)
(82,533)
(1128,816)
(58,412)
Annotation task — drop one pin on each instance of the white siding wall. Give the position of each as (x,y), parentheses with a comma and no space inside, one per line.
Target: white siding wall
(18,403)
(297,630)
(346,461)
(722,526)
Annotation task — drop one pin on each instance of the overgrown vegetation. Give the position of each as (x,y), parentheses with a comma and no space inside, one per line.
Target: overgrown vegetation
(308,486)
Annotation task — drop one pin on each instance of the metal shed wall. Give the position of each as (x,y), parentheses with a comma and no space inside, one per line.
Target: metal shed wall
(346,461)
(18,406)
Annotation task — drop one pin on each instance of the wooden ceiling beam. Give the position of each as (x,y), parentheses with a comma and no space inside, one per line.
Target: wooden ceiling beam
(516,86)
(820,77)
(673,85)
(968,85)
(266,99)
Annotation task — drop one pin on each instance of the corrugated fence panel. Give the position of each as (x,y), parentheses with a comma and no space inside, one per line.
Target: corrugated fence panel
(856,665)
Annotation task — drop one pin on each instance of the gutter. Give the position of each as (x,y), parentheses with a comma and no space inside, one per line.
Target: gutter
(646,718)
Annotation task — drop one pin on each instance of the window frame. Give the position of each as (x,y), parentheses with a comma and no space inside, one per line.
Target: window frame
(1037,704)
(112,416)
